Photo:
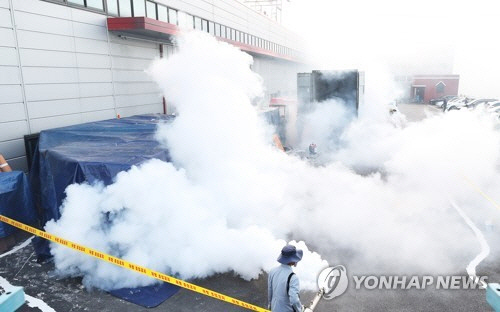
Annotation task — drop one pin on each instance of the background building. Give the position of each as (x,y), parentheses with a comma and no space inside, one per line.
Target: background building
(62,63)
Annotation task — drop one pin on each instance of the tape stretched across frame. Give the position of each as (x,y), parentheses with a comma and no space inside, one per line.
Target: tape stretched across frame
(131,266)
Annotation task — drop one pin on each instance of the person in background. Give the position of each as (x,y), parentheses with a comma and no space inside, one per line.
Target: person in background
(283,285)
(4,165)
(312,148)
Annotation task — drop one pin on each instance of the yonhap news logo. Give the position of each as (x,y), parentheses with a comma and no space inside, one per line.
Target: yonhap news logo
(334,282)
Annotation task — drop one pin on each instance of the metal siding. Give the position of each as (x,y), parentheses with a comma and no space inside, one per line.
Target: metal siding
(19,163)
(35,75)
(96,103)
(137,99)
(130,63)
(87,17)
(92,60)
(134,51)
(91,46)
(5,20)
(8,56)
(12,112)
(95,89)
(13,148)
(94,75)
(30,57)
(7,35)
(41,109)
(11,94)
(123,88)
(34,40)
(43,8)
(13,130)
(98,115)
(130,76)
(39,124)
(4,4)
(42,92)
(9,75)
(88,31)
(145,109)
(44,24)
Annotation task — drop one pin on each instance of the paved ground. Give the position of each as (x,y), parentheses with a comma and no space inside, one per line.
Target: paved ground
(68,294)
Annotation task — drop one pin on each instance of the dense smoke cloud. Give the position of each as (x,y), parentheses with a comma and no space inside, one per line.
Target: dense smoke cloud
(229,200)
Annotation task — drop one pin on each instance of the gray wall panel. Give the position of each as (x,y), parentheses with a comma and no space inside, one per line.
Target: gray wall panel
(95,89)
(9,75)
(8,56)
(7,35)
(35,40)
(91,46)
(122,88)
(40,109)
(98,115)
(94,75)
(43,8)
(40,23)
(135,110)
(34,75)
(43,92)
(93,60)
(11,112)
(13,148)
(137,99)
(30,57)
(96,103)
(88,31)
(5,20)
(11,94)
(18,163)
(13,130)
(4,4)
(40,124)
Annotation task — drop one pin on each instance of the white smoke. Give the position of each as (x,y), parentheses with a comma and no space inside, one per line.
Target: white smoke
(229,200)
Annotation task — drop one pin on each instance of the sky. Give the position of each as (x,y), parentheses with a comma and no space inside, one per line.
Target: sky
(415,37)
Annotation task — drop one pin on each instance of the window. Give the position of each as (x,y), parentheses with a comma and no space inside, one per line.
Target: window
(211,28)
(237,38)
(197,23)
(139,7)
(233,34)
(96,4)
(217,30)
(440,87)
(125,8)
(172,16)
(80,2)
(185,20)
(112,7)
(204,25)
(151,9)
(162,13)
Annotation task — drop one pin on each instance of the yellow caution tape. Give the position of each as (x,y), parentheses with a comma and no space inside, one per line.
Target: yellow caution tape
(131,266)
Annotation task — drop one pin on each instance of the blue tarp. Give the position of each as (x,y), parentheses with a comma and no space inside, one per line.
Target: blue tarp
(92,152)
(148,296)
(89,152)
(15,200)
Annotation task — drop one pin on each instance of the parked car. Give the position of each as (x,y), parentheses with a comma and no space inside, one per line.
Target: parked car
(439,101)
(477,102)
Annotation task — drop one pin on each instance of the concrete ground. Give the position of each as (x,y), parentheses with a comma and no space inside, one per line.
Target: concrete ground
(63,295)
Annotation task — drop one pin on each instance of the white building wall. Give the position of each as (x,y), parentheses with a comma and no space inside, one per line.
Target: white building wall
(59,66)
